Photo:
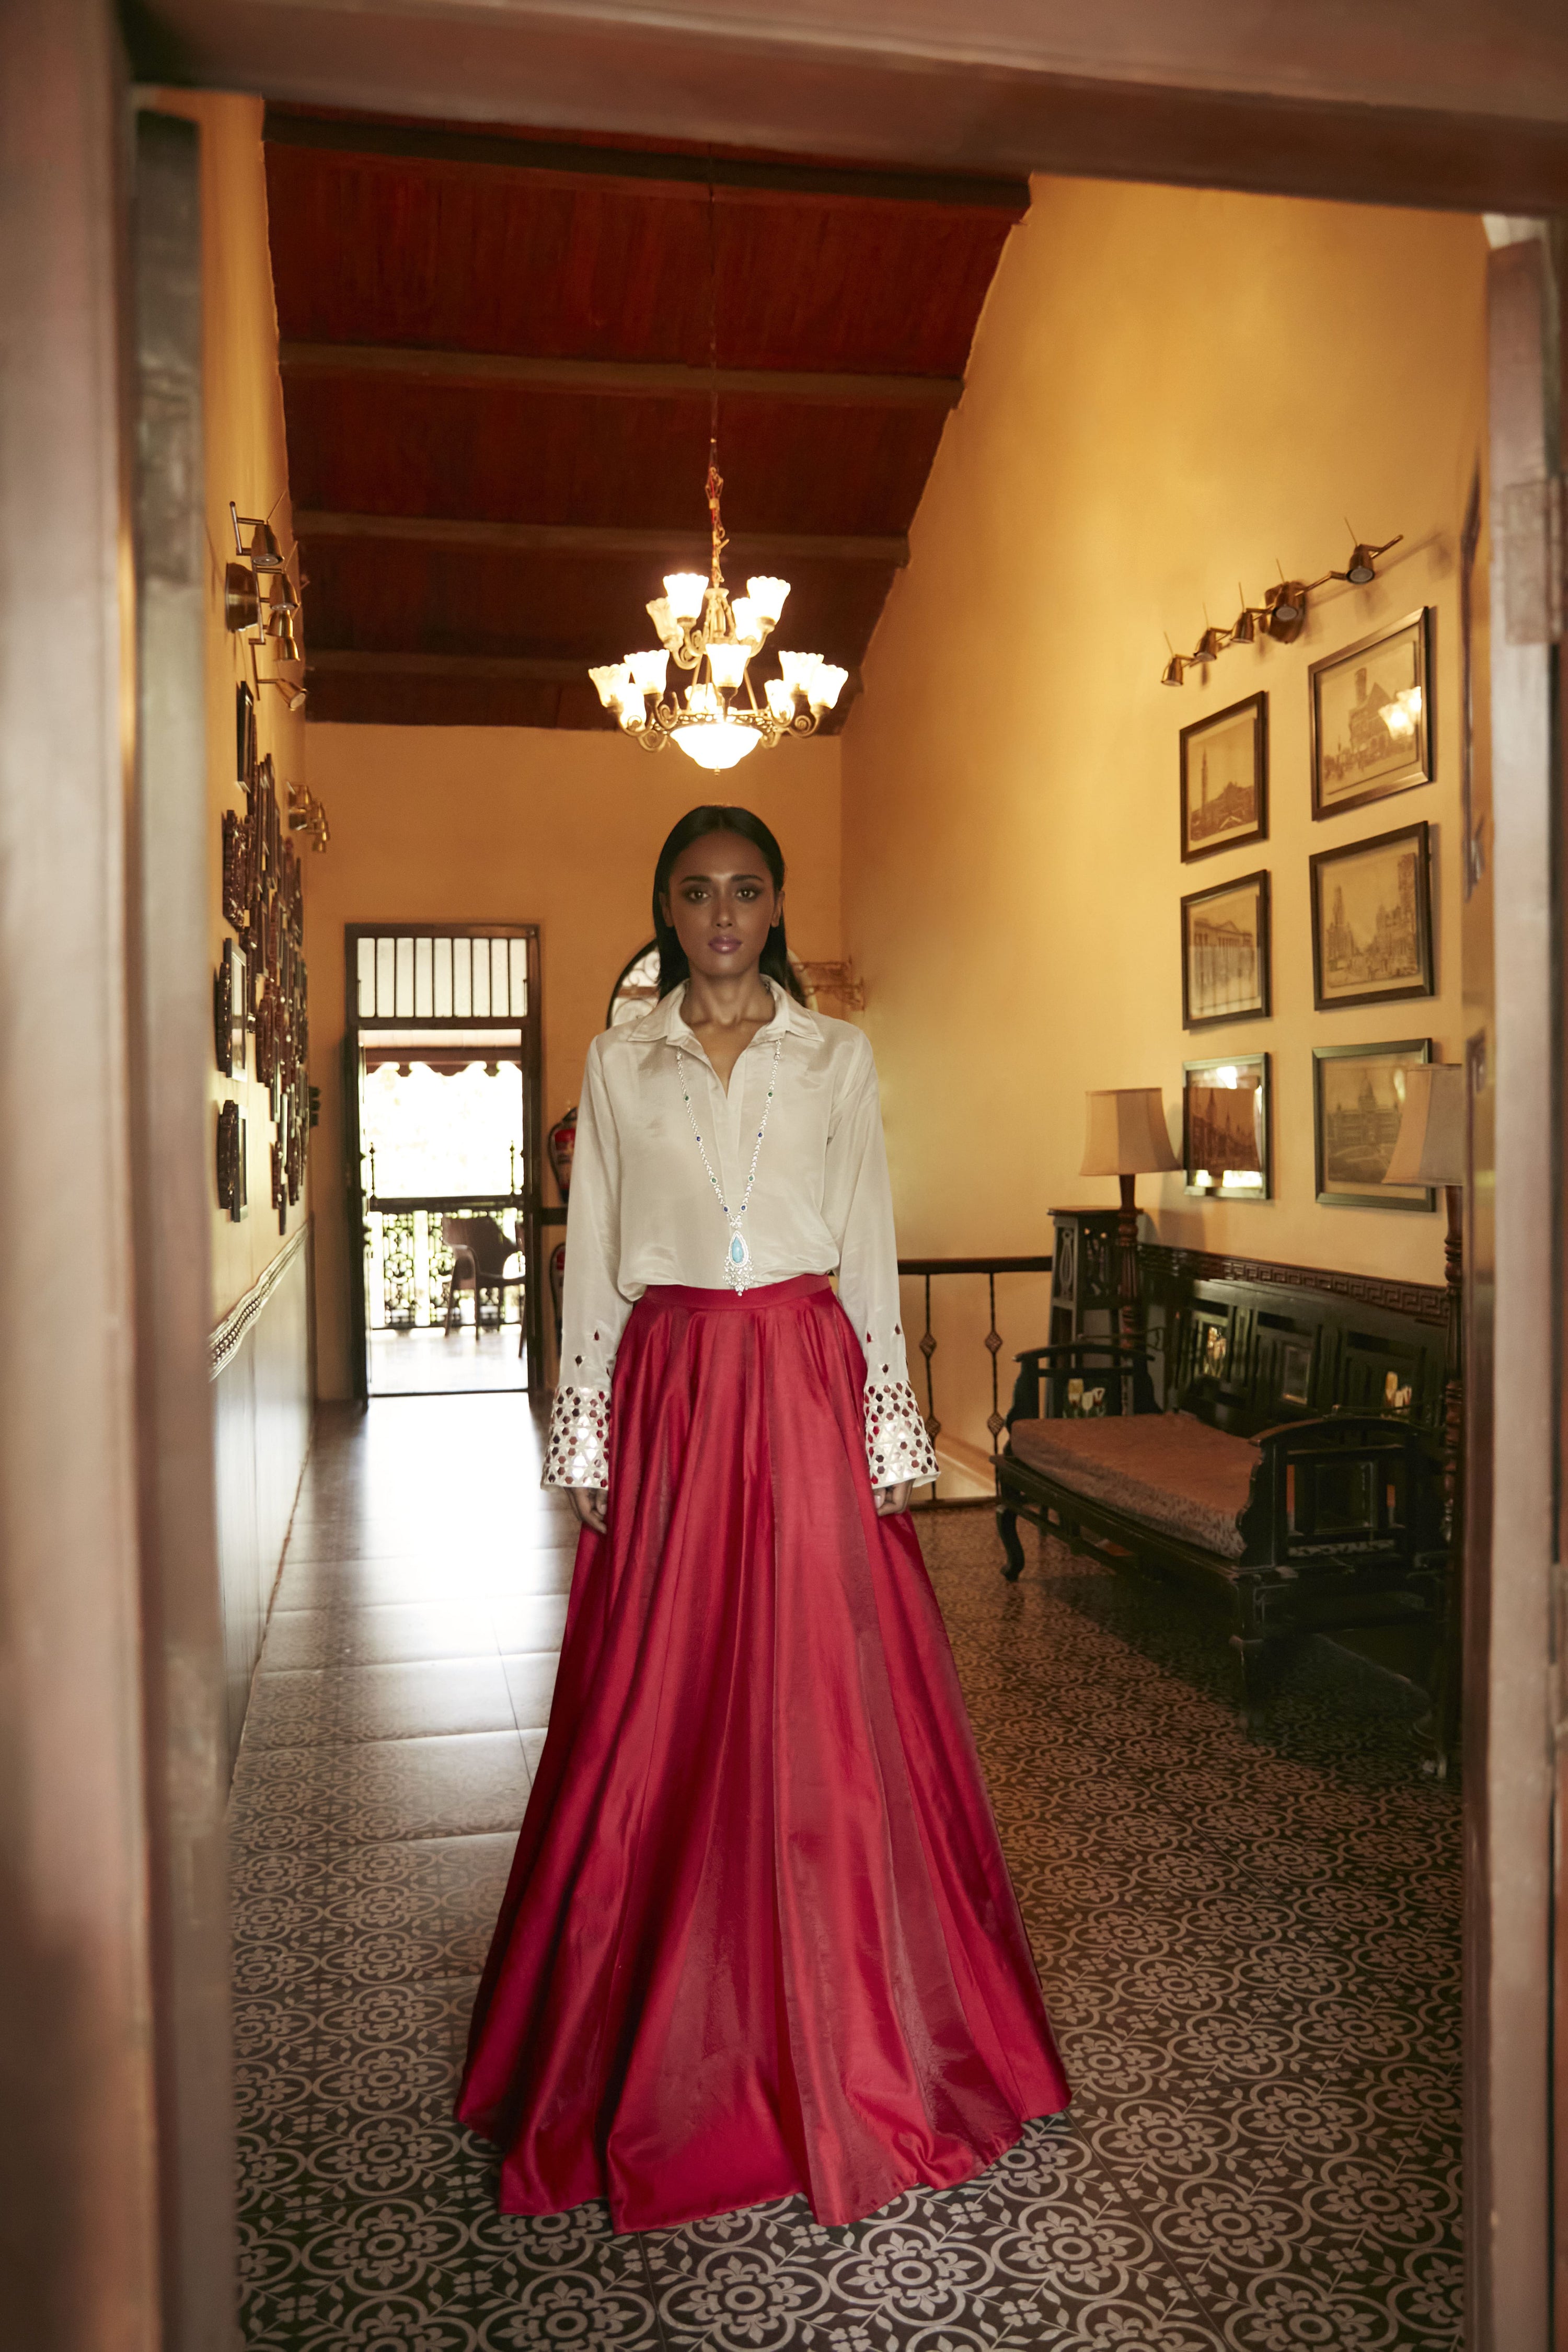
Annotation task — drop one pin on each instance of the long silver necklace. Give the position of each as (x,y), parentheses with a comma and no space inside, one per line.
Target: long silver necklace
(737,1271)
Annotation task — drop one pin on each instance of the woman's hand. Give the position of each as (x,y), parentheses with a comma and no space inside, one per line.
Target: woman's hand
(590,1503)
(892,1500)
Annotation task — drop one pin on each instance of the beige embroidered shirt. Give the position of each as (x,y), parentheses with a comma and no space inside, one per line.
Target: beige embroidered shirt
(642,1209)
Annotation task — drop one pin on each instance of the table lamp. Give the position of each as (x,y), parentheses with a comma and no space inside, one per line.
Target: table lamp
(1430,1148)
(1127,1137)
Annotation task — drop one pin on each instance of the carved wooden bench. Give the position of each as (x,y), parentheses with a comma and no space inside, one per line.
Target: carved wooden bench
(1290,1521)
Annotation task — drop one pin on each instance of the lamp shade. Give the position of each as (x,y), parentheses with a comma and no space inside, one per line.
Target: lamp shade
(768,596)
(726,665)
(1127,1134)
(1430,1145)
(685,593)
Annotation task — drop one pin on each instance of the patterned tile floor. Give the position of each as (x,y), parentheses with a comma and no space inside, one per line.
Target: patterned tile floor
(1251,1953)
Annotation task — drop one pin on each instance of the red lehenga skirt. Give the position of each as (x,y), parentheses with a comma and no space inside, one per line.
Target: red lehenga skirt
(759,1936)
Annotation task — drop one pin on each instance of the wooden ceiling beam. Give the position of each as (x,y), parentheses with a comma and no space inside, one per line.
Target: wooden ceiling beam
(569,160)
(632,379)
(597,539)
(519,670)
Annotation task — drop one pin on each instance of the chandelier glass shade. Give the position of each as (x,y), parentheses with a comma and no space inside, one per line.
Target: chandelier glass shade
(703,629)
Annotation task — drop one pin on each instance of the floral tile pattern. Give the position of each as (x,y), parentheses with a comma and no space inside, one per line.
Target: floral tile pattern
(1250,1951)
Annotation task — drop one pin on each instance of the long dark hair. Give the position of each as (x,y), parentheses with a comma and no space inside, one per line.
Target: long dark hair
(673,966)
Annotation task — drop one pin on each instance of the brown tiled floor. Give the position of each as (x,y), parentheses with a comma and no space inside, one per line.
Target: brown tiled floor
(1252,1952)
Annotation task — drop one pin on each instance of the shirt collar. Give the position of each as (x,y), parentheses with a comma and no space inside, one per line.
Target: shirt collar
(667,1023)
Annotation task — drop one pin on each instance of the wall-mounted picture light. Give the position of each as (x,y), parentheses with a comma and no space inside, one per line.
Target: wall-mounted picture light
(260,550)
(1282,614)
(306,815)
(260,600)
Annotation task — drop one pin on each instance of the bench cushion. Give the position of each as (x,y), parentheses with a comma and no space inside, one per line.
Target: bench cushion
(1168,1469)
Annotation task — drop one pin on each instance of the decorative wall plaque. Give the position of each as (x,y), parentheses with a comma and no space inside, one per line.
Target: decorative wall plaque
(229,1002)
(245,737)
(231,1177)
(265,987)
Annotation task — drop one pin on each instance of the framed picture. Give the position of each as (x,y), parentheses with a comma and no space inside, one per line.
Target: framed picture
(1225,952)
(1358,1097)
(1226,1144)
(1371,717)
(1372,919)
(1224,778)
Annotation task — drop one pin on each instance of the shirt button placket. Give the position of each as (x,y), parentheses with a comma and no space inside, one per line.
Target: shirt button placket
(734,1115)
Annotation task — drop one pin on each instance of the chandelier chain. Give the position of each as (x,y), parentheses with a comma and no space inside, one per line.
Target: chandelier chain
(715,479)
(712,326)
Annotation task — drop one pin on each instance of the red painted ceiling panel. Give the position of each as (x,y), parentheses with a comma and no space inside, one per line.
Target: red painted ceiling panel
(499,453)
(385,702)
(451,257)
(391,597)
(414,248)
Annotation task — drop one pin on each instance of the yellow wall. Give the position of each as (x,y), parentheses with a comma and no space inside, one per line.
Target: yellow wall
(246,460)
(466,824)
(1168,392)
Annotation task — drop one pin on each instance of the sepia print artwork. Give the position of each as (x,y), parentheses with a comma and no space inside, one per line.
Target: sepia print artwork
(1224,778)
(1224,1128)
(1225,952)
(1372,919)
(1372,718)
(1358,1101)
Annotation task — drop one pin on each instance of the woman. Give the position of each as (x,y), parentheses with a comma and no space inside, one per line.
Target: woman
(759,1937)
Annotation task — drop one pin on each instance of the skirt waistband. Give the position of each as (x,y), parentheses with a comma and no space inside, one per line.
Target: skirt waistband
(661,1296)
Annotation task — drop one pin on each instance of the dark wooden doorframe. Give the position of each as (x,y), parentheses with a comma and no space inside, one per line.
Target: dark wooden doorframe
(63,724)
(1514,1050)
(353,1214)
(1409,104)
(357,1031)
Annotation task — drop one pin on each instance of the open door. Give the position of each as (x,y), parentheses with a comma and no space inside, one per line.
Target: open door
(441,1085)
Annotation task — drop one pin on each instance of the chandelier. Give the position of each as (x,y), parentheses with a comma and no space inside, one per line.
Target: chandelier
(703,629)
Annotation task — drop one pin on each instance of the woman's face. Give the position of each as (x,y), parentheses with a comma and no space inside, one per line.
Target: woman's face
(722,904)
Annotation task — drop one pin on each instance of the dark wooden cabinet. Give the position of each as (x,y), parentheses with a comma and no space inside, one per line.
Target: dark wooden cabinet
(1084,1275)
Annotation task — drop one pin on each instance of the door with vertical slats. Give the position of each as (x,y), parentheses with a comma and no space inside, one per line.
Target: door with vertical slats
(473,988)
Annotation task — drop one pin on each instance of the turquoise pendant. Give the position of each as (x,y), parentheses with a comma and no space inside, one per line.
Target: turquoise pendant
(737,1260)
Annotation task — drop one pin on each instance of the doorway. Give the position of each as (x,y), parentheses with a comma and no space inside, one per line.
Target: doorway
(441,1084)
